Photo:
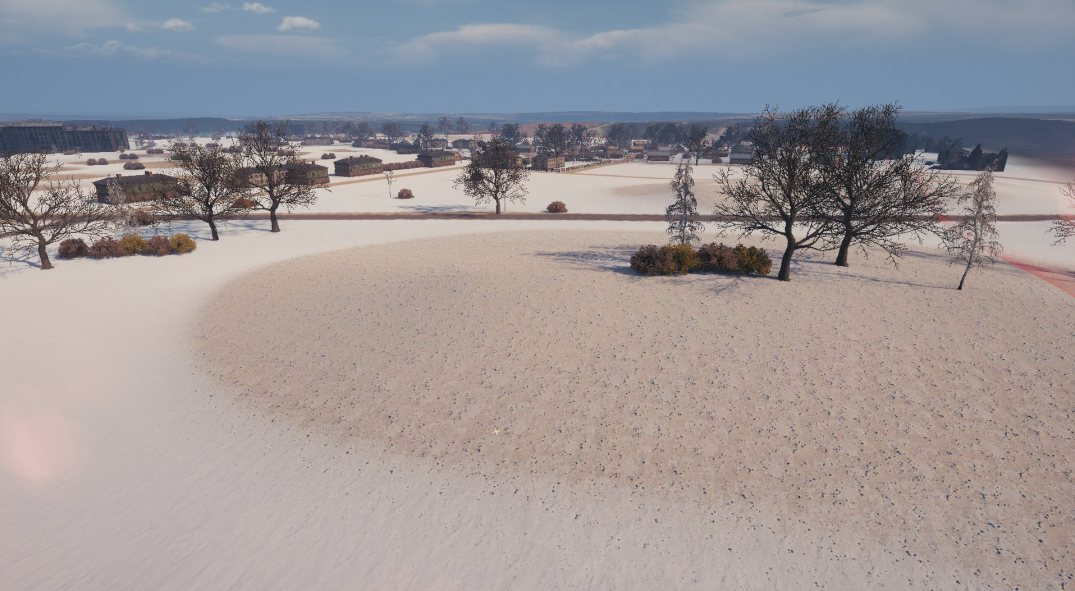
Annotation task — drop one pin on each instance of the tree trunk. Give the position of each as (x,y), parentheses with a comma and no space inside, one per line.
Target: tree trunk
(785,262)
(42,253)
(212,229)
(273,220)
(497,206)
(964,277)
(845,246)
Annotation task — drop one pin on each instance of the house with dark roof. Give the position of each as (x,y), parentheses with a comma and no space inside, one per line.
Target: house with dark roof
(135,188)
(301,173)
(547,162)
(436,158)
(358,166)
(659,155)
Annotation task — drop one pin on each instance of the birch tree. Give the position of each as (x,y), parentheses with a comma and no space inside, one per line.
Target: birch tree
(682,215)
(973,240)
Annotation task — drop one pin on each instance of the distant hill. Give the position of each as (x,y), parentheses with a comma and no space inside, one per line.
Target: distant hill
(195,125)
(1044,139)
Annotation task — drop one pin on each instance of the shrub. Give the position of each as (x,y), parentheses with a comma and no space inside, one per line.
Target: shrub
(651,260)
(328,156)
(405,194)
(102,161)
(181,244)
(556,207)
(91,162)
(155,151)
(132,244)
(676,259)
(156,246)
(133,166)
(245,203)
(752,261)
(73,248)
(684,258)
(140,217)
(106,248)
(717,258)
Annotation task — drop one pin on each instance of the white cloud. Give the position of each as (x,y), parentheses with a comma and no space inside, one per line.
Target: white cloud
(111,49)
(298,23)
(302,45)
(177,24)
(66,16)
(216,7)
(257,7)
(737,28)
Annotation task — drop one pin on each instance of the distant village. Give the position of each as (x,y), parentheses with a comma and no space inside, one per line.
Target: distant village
(549,147)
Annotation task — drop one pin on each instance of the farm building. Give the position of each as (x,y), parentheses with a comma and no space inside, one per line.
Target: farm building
(547,162)
(48,137)
(358,166)
(436,159)
(659,155)
(301,173)
(741,154)
(134,188)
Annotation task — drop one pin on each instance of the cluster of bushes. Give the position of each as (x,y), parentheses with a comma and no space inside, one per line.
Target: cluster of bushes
(155,151)
(245,203)
(128,156)
(133,166)
(405,194)
(97,162)
(680,259)
(127,245)
(556,207)
(328,156)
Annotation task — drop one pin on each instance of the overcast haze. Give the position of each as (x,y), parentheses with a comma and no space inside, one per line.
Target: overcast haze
(288,57)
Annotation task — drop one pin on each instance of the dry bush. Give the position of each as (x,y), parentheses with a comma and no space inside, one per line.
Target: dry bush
(140,217)
(675,259)
(106,248)
(73,248)
(405,194)
(245,203)
(328,156)
(717,258)
(181,244)
(132,244)
(156,246)
(133,166)
(155,151)
(91,162)
(752,260)
(102,161)
(557,207)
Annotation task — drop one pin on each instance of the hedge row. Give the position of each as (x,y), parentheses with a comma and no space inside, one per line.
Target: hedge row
(680,259)
(127,245)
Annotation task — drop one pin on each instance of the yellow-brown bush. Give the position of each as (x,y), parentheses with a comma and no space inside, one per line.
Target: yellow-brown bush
(557,207)
(752,260)
(132,244)
(181,244)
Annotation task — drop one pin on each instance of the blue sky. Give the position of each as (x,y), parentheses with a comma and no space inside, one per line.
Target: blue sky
(280,57)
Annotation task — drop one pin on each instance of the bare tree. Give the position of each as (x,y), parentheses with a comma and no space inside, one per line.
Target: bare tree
(579,138)
(390,178)
(425,136)
(494,173)
(209,185)
(1065,228)
(393,132)
(444,126)
(461,126)
(696,141)
(363,132)
(973,240)
(781,189)
(874,199)
(36,211)
(270,187)
(682,215)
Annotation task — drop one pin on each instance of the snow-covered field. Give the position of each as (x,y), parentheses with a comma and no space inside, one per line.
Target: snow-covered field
(123,466)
